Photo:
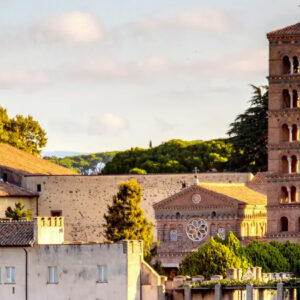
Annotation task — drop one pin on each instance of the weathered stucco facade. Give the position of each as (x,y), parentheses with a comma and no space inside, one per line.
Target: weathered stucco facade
(83,200)
(36,263)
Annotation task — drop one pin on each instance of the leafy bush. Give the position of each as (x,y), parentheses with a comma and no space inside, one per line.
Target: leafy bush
(137,171)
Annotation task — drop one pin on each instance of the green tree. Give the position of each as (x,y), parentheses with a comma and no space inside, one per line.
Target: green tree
(248,134)
(22,132)
(137,171)
(18,212)
(266,256)
(150,144)
(211,259)
(125,219)
(290,251)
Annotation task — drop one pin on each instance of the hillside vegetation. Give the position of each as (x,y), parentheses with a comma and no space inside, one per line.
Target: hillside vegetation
(84,164)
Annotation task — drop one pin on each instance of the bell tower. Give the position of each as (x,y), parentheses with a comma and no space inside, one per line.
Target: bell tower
(283,134)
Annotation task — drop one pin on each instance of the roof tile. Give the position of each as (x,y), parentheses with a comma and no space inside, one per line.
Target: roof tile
(16,234)
(27,164)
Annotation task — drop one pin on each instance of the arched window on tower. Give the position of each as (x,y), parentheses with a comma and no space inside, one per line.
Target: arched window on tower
(293,194)
(294,164)
(285,165)
(284,224)
(286,99)
(178,215)
(284,195)
(294,133)
(213,214)
(295,64)
(295,99)
(286,65)
(285,133)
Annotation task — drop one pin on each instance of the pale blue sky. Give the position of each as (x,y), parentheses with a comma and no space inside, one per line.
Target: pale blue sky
(108,75)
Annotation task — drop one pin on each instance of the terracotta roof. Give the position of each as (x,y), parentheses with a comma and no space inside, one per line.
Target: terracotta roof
(289,30)
(237,191)
(16,234)
(10,190)
(28,164)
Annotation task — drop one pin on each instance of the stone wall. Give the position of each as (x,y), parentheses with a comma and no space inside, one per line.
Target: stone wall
(83,200)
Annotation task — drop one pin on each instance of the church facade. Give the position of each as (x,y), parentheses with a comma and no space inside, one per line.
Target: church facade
(188,219)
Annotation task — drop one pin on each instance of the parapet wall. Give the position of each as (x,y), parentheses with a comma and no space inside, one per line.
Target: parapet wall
(83,200)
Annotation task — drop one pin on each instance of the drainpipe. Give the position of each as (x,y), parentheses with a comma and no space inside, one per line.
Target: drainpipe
(26,274)
(37,205)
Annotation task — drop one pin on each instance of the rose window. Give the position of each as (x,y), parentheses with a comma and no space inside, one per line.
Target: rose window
(196,229)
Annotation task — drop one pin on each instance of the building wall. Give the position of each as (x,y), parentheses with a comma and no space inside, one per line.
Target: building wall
(84,199)
(77,271)
(30,203)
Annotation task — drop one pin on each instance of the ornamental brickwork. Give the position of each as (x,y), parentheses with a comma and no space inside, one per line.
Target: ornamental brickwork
(283,135)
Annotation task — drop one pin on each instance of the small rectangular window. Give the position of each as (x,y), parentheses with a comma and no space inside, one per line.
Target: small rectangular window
(5,177)
(39,188)
(56,213)
(10,275)
(102,273)
(53,276)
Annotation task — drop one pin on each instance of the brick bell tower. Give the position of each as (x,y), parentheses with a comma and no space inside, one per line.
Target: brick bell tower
(283,135)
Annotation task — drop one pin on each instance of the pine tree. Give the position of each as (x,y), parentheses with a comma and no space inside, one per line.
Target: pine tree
(150,144)
(18,212)
(125,219)
(248,134)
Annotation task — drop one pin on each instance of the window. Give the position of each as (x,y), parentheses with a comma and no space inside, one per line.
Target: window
(284,224)
(10,275)
(173,235)
(102,273)
(53,277)
(56,213)
(38,187)
(5,177)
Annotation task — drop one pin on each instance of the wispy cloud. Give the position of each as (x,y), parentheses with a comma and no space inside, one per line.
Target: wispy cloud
(107,124)
(22,79)
(72,27)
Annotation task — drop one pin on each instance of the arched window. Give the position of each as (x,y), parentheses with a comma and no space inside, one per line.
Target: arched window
(284,224)
(285,165)
(213,214)
(295,64)
(285,133)
(293,194)
(173,235)
(178,215)
(286,65)
(294,164)
(295,133)
(286,99)
(284,195)
(295,99)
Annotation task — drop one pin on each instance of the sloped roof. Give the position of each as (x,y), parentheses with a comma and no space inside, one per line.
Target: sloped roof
(237,191)
(27,164)
(10,190)
(289,30)
(16,234)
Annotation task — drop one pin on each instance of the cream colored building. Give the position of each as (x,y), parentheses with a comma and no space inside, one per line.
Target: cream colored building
(36,264)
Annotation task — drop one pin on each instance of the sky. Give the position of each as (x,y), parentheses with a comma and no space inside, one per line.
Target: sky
(109,75)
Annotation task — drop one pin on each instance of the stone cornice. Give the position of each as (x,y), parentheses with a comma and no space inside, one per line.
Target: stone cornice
(284,206)
(284,234)
(286,78)
(273,178)
(285,112)
(285,146)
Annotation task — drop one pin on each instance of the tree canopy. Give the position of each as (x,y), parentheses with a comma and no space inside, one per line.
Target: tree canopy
(22,132)
(125,219)
(248,134)
(214,258)
(174,156)
(18,212)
